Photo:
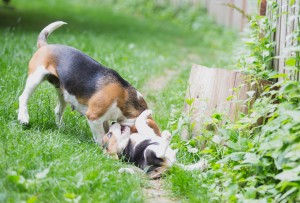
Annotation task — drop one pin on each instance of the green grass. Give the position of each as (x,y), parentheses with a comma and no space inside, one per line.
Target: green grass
(44,163)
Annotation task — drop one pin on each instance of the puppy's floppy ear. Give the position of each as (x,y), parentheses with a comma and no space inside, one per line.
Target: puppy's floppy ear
(151,123)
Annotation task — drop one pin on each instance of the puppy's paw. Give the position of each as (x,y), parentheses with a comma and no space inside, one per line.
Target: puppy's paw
(145,114)
(201,165)
(166,135)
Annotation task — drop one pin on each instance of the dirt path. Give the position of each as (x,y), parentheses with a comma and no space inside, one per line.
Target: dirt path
(155,193)
(158,83)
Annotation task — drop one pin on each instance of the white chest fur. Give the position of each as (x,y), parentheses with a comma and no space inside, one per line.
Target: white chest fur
(74,102)
(112,113)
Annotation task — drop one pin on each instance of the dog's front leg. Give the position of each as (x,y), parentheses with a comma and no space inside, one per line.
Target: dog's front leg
(97,129)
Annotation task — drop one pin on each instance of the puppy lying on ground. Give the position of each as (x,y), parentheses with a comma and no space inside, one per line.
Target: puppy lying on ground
(144,149)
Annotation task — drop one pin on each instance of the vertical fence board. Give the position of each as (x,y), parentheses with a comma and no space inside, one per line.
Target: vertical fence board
(277,36)
(282,39)
(286,24)
(229,16)
(297,28)
(237,16)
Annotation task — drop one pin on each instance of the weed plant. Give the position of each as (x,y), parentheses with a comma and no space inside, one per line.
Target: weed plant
(256,158)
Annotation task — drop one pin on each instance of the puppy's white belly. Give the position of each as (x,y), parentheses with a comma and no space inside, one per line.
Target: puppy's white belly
(74,102)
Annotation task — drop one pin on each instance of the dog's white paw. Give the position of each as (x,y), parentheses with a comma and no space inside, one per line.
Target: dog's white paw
(126,170)
(166,135)
(23,117)
(200,165)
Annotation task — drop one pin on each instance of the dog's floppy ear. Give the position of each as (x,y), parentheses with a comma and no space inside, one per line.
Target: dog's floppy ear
(151,123)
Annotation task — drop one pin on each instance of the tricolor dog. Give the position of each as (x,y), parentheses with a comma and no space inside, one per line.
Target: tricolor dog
(144,149)
(97,92)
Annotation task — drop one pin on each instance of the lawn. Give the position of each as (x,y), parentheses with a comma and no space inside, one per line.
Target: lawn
(44,163)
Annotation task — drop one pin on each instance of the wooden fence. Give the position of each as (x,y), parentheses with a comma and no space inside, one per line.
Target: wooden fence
(286,36)
(221,13)
(286,20)
(210,88)
(229,16)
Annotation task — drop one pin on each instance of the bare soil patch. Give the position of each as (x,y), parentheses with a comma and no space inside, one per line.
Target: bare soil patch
(156,193)
(158,83)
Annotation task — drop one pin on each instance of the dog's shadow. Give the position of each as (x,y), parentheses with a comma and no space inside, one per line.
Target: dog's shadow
(73,127)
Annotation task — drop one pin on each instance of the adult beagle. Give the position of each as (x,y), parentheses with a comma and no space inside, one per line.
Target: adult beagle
(97,92)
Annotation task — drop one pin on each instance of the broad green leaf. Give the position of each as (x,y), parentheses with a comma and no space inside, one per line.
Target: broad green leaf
(289,192)
(70,195)
(237,156)
(290,62)
(32,199)
(229,98)
(251,158)
(288,175)
(190,101)
(250,93)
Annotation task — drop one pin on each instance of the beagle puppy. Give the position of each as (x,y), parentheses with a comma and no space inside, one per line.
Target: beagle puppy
(144,149)
(97,92)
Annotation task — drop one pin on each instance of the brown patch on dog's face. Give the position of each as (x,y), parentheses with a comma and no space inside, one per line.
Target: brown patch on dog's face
(113,147)
(110,143)
(110,140)
(134,103)
(83,101)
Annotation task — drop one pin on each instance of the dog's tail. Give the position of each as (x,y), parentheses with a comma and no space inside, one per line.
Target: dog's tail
(201,165)
(42,39)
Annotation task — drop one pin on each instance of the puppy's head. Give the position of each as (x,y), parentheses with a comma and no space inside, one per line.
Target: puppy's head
(111,141)
(151,123)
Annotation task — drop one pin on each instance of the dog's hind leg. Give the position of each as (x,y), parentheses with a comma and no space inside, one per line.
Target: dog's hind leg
(60,107)
(33,80)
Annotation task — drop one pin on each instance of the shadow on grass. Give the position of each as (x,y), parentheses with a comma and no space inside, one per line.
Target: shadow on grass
(100,20)
(73,127)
